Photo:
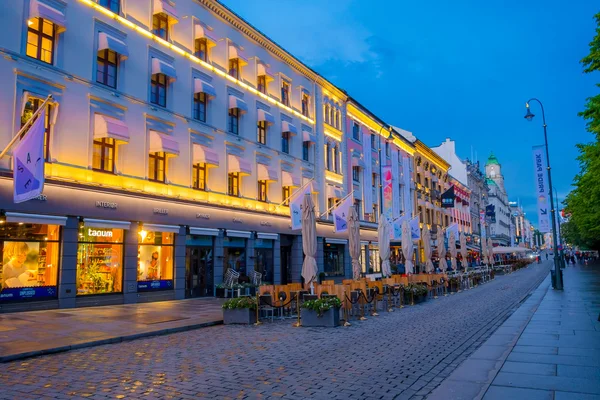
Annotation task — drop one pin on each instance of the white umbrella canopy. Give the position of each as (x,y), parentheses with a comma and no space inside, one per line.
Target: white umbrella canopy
(426,236)
(490,246)
(407,247)
(309,241)
(463,249)
(354,241)
(383,232)
(452,248)
(441,248)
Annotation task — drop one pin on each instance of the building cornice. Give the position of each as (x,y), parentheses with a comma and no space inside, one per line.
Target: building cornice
(431,156)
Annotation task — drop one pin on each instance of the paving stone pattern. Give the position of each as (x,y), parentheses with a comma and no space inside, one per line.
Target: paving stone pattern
(404,354)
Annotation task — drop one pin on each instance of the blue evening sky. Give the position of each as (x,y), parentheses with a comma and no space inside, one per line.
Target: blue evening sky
(459,69)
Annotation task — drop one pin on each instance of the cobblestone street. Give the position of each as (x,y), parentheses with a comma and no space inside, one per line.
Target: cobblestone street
(404,354)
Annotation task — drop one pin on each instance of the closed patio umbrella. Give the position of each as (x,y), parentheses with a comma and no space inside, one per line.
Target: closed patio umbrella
(463,250)
(490,251)
(407,247)
(354,241)
(383,232)
(452,248)
(426,236)
(309,241)
(441,249)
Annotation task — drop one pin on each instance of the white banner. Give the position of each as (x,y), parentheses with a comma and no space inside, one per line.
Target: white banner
(452,228)
(28,163)
(395,184)
(340,215)
(541,188)
(396,231)
(367,182)
(415,229)
(296,206)
(406,170)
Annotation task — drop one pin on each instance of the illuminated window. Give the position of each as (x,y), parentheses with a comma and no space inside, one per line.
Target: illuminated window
(286,192)
(199,176)
(41,35)
(234,121)
(201,49)
(200,106)
(234,68)
(158,93)
(233,184)
(262,190)
(30,108)
(285,93)
(262,84)
(285,142)
(326,111)
(112,5)
(328,156)
(262,132)
(160,25)
(157,167)
(336,158)
(305,105)
(104,155)
(106,68)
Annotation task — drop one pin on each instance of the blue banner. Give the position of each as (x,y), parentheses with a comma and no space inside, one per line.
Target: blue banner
(41,292)
(147,286)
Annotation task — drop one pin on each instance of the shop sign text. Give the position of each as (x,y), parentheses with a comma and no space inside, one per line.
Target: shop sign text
(161,211)
(99,233)
(203,216)
(106,204)
(237,220)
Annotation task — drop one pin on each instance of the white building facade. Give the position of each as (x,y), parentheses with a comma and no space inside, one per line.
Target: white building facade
(500,231)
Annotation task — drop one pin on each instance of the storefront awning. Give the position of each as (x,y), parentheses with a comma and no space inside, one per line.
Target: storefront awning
(336,241)
(358,162)
(204,231)
(265,116)
(265,173)
(204,87)
(159,142)
(105,41)
(267,236)
(161,67)
(38,9)
(287,179)
(288,127)
(236,164)
(106,223)
(111,128)
(334,192)
(308,137)
(203,155)
(236,102)
(239,234)
(161,228)
(236,52)
(166,7)
(202,32)
(35,219)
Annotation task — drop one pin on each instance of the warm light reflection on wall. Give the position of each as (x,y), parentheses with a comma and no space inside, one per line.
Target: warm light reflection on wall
(332,176)
(185,54)
(73,174)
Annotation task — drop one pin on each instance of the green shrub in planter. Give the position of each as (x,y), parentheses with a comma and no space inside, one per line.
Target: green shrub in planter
(321,312)
(240,310)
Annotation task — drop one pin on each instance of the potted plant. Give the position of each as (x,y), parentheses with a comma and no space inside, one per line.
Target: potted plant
(240,310)
(324,312)
(453,284)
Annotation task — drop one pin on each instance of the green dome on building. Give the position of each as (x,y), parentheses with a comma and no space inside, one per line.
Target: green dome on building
(492,160)
(491,182)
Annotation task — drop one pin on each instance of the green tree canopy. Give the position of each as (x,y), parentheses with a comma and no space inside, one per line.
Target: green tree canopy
(584,201)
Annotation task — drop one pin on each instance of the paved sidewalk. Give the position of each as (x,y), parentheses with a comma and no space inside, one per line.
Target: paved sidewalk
(548,349)
(33,333)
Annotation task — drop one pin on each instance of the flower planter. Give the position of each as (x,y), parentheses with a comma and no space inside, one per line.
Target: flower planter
(244,316)
(329,319)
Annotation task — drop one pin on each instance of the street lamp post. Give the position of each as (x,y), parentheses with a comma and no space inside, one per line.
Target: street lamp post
(558,285)
(562,251)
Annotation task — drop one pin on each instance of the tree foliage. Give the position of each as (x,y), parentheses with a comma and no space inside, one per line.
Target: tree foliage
(584,201)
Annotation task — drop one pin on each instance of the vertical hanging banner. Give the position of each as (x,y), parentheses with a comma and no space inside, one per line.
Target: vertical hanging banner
(340,215)
(396,231)
(415,230)
(367,182)
(28,170)
(396,195)
(406,172)
(387,192)
(541,188)
(295,206)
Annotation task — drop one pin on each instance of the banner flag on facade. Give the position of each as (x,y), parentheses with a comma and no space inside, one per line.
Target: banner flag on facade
(396,231)
(387,191)
(448,198)
(452,228)
(28,163)
(490,213)
(540,165)
(406,186)
(340,215)
(296,206)
(415,229)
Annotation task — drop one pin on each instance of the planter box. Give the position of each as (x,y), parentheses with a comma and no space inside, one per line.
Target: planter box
(330,319)
(420,299)
(244,316)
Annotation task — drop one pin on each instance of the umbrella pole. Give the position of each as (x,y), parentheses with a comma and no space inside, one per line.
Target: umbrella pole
(257,309)
(297,324)
(346,315)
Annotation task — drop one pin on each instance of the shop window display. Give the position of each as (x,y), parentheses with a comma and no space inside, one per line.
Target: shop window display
(234,254)
(29,263)
(99,261)
(155,261)
(263,259)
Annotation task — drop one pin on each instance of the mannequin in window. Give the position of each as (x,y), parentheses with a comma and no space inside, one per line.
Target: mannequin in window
(153,267)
